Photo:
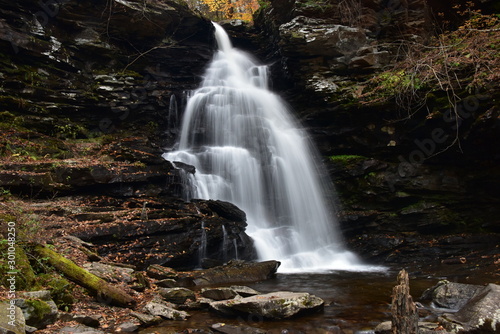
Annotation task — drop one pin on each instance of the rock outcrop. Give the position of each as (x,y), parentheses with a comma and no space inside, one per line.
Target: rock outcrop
(76,70)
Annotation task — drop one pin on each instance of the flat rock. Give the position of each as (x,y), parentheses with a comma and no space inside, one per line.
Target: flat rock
(165,311)
(244,291)
(234,272)
(275,305)
(219,293)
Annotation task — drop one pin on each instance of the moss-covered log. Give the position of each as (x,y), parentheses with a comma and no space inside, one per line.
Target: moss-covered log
(97,286)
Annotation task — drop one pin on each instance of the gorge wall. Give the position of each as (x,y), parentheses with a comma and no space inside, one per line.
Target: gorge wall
(86,111)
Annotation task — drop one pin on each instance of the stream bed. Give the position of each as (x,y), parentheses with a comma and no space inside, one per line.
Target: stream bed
(355,302)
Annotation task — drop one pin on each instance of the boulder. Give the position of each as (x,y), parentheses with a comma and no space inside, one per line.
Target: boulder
(219,293)
(165,311)
(127,327)
(86,320)
(38,308)
(177,295)
(167,283)
(233,272)
(161,272)
(481,314)
(451,295)
(275,305)
(11,319)
(146,319)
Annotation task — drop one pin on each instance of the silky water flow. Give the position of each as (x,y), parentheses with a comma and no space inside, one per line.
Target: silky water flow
(248,150)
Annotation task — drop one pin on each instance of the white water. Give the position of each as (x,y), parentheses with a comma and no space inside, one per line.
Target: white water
(248,150)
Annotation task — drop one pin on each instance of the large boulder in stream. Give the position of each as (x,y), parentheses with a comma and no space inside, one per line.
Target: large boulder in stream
(275,305)
(469,308)
(451,295)
(481,313)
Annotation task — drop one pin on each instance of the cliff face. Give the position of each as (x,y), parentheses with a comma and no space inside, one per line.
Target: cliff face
(97,67)
(408,156)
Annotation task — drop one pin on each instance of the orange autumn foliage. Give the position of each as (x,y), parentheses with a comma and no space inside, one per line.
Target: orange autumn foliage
(229,9)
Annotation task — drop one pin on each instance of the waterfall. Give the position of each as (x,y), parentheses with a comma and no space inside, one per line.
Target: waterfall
(235,245)
(224,244)
(248,150)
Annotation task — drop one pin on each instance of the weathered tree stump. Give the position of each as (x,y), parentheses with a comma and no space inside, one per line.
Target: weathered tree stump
(404,312)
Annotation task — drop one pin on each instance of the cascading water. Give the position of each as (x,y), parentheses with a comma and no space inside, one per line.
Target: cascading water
(173,114)
(202,251)
(249,151)
(224,244)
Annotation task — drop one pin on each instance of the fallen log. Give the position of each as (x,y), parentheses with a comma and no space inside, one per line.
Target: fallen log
(104,291)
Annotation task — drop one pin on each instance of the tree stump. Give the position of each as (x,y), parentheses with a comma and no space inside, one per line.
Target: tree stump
(404,312)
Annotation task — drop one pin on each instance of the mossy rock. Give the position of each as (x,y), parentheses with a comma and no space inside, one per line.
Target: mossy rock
(25,277)
(60,288)
(346,160)
(38,313)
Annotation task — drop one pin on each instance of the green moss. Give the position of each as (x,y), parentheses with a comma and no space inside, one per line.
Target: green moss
(39,311)
(25,277)
(61,290)
(346,159)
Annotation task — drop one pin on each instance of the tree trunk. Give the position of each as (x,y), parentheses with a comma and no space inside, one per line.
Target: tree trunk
(105,292)
(404,312)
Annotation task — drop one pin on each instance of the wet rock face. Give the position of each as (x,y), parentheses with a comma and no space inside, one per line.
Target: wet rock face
(318,43)
(87,68)
(164,231)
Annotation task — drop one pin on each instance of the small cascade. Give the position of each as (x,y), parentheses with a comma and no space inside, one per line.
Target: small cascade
(224,244)
(173,114)
(235,244)
(202,251)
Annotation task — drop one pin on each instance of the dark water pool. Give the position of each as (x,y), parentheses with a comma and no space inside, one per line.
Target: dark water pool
(355,302)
